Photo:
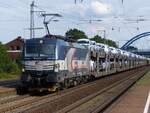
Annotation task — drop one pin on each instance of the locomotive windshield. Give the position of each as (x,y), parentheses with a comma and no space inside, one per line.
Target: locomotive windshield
(40,50)
(37,50)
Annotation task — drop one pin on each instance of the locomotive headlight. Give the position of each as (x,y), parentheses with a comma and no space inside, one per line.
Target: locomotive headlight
(56,68)
(23,67)
(41,41)
(23,70)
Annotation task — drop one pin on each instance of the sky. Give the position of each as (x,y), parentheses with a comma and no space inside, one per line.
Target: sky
(118,19)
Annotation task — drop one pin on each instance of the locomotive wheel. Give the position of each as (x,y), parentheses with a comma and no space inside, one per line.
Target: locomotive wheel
(60,86)
(21,90)
(80,80)
(85,79)
(66,84)
(75,83)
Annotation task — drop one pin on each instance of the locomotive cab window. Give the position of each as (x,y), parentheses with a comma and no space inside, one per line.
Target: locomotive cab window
(36,49)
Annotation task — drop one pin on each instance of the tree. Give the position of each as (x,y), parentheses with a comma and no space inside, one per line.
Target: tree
(98,39)
(75,34)
(132,48)
(109,42)
(6,65)
(3,57)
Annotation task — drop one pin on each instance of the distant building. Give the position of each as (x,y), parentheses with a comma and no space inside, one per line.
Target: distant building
(14,48)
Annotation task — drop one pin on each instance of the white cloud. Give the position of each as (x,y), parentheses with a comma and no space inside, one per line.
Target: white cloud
(146,11)
(100,8)
(75,9)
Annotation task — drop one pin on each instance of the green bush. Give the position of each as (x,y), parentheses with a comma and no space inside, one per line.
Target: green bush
(11,68)
(6,76)
(7,67)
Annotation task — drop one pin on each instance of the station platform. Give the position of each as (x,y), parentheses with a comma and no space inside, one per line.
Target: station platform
(135,100)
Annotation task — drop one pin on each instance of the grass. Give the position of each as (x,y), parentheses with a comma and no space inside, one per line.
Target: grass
(9,76)
(145,80)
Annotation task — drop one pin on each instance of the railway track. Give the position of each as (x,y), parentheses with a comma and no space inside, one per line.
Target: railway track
(7,88)
(10,83)
(99,101)
(59,101)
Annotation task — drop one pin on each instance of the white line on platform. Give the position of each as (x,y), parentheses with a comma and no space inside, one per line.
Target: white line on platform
(147,104)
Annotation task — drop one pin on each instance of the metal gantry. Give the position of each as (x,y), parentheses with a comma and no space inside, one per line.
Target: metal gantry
(32,20)
(43,14)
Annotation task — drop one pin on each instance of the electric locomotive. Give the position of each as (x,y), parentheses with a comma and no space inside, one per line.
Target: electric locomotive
(52,62)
